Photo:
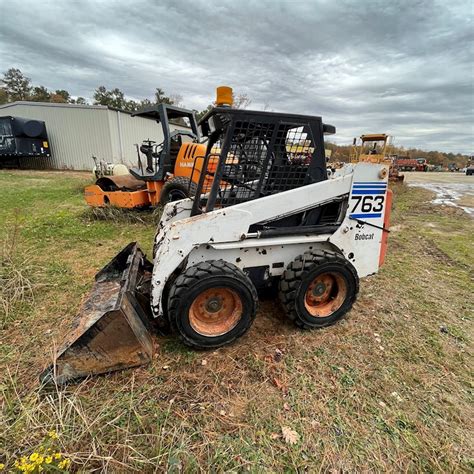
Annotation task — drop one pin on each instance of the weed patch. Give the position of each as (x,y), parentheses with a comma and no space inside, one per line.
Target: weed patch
(120,216)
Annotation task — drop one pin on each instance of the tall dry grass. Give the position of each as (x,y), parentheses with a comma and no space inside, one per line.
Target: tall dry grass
(99,438)
(122,216)
(16,272)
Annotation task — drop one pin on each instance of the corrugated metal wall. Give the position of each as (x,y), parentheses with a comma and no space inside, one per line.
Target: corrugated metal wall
(126,130)
(77,132)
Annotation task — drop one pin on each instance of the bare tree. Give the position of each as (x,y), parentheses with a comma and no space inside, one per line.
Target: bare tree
(241,101)
(176,99)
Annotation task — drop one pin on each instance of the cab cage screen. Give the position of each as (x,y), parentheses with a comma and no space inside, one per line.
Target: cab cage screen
(259,155)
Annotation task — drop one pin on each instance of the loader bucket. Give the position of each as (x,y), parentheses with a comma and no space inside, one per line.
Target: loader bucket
(113,328)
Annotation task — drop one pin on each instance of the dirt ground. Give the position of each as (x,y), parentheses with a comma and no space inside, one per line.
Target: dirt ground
(388,388)
(451,189)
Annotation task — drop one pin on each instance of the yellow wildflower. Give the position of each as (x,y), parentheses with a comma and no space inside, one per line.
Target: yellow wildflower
(2,466)
(53,435)
(64,464)
(48,460)
(57,456)
(33,457)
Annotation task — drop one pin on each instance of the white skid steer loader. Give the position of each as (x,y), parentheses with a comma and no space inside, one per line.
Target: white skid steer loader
(270,217)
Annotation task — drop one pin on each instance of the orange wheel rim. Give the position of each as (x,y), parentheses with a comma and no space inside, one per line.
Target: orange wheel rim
(215,311)
(325,295)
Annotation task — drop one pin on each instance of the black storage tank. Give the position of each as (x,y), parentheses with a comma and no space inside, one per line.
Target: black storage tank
(21,137)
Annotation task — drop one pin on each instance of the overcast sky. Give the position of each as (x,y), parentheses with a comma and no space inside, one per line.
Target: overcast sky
(400,67)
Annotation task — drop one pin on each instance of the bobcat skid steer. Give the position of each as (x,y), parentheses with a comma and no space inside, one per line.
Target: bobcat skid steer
(270,216)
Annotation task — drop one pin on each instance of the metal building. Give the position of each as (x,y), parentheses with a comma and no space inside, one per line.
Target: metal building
(78,132)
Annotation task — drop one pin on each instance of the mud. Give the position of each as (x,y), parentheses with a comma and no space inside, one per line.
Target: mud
(451,189)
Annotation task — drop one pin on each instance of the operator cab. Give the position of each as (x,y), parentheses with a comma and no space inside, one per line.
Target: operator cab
(372,148)
(251,154)
(161,157)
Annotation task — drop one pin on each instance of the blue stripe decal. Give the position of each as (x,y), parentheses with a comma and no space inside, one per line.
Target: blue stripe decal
(361,188)
(366,216)
(360,192)
(370,186)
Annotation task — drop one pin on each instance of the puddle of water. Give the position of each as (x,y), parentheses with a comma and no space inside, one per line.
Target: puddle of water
(450,194)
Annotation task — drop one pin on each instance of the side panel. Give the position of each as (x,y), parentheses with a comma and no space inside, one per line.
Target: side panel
(185,160)
(189,163)
(386,225)
(274,257)
(360,235)
(96,197)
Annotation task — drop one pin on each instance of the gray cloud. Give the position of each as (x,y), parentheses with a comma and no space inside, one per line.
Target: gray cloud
(401,67)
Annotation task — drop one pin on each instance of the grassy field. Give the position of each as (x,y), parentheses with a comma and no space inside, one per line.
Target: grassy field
(388,388)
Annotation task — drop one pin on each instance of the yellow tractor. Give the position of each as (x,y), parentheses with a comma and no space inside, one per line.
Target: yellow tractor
(375,148)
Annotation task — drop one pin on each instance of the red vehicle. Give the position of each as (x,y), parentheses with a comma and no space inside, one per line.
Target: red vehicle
(411,164)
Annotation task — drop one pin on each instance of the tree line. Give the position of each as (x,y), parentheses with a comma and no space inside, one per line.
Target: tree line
(437,158)
(15,86)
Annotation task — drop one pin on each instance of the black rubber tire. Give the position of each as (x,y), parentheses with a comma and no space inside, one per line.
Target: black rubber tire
(179,185)
(298,276)
(198,278)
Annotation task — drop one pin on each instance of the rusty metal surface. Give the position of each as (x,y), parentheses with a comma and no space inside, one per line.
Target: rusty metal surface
(215,311)
(125,182)
(111,330)
(325,295)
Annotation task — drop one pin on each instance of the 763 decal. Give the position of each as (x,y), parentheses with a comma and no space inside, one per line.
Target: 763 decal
(367,203)
(367,199)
